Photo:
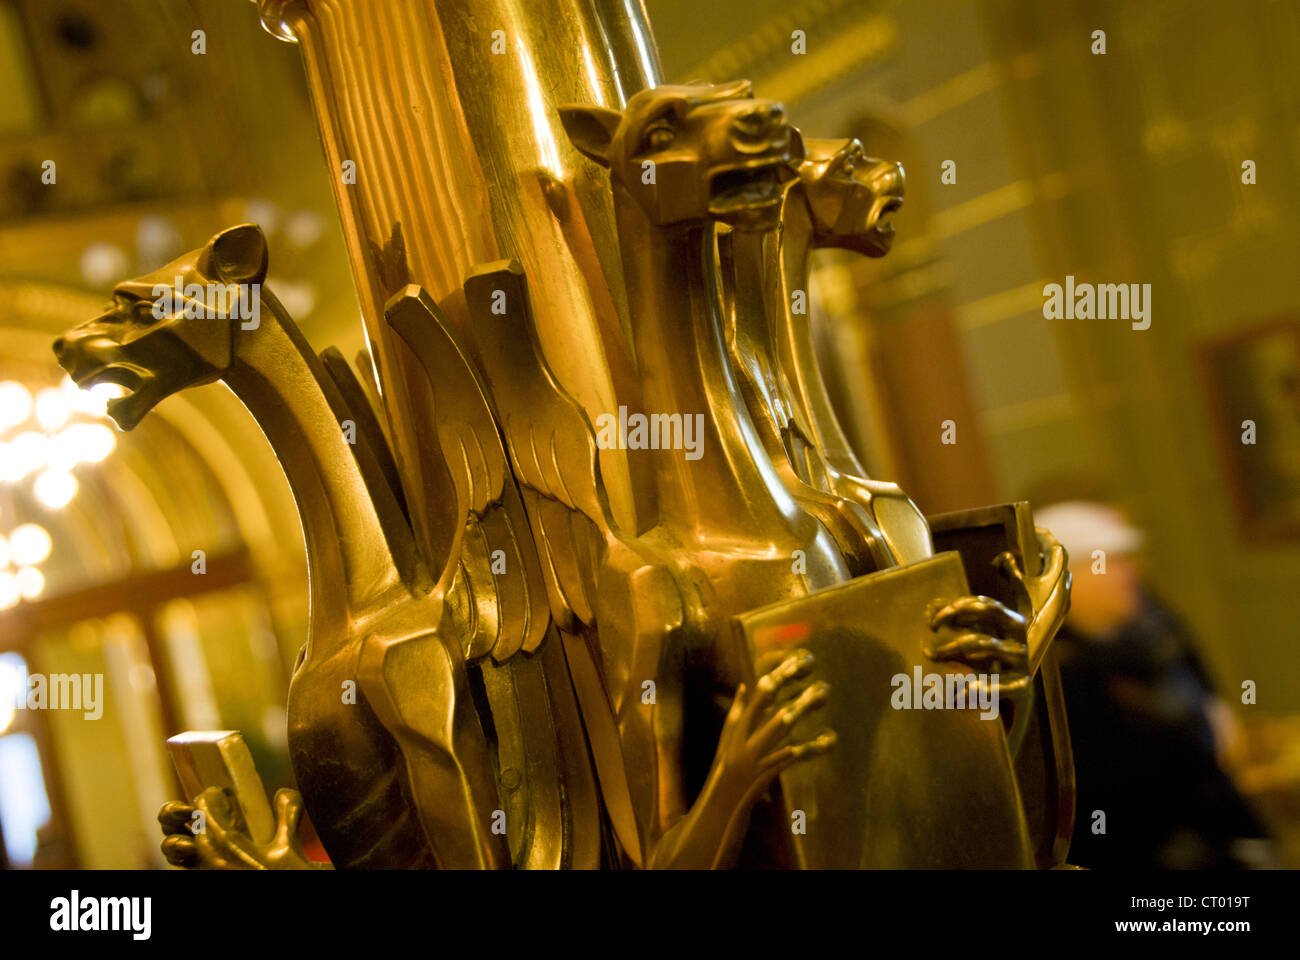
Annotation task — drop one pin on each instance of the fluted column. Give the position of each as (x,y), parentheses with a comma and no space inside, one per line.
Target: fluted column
(447,110)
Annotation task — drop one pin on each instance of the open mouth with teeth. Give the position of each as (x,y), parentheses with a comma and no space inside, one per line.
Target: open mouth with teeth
(747,189)
(879,235)
(884,207)
(135,380)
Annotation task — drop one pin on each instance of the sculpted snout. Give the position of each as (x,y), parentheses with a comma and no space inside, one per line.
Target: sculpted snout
(759,126)
(84,348)
(66,345)
(887,179)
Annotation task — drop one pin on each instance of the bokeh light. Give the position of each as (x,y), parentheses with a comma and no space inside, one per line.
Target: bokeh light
(55,488)
(29,544)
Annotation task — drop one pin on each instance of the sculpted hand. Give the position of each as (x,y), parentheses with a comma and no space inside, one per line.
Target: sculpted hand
(996,633)
(1047,595)
(994,642)
(222,841)
(993,638)
(1002,641)
(754,747)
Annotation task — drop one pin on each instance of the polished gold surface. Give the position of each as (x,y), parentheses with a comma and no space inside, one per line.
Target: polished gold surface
(204,759)
(903,788)
(996,544)
(536,639)
(839,199)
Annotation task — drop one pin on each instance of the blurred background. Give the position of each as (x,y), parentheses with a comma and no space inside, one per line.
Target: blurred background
(1117,168)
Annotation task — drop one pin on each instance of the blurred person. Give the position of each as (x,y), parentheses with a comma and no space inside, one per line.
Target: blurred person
(1145,723)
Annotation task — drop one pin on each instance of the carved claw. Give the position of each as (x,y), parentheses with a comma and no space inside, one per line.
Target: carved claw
(978,650)
(995,633)
(1054,568)
(210,834)
(1046,595)
(995,640)
(995,617)
(1009,566)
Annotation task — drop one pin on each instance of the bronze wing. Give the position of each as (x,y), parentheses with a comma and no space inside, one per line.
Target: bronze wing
(481,554)
(549,438)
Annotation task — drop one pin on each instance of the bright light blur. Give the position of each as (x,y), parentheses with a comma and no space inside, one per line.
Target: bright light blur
(100,394)
(43,437)
(99,441)
(299,298)
(29,544)
(27,452)
(102,263)
(63,452)
(262,212)
(55,488)
(15,404)
(90,402)
(81,443)
(13,679)
(30,582)
(24,802)
(52,408)
(9,593)
(304,227)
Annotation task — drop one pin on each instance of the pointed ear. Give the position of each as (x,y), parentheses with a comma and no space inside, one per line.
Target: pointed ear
(798,151)
(238,254)
(732,90)
(591,129)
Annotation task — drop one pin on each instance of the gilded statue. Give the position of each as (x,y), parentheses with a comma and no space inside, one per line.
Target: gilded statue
(536,641)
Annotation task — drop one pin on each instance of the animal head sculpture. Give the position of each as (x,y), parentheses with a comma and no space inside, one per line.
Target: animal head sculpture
(173,328)
(692,152)
(849,195)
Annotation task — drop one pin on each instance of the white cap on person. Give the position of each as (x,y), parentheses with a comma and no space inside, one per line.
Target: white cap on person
(1083,526)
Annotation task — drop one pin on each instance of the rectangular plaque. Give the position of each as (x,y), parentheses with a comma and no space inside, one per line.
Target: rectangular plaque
(909,788)
(220,758)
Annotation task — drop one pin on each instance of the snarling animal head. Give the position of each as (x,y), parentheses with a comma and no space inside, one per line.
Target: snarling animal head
(849,195)
(692,152)
(170,329)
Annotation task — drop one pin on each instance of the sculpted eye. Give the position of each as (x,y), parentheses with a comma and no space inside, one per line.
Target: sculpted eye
(143,312)
(659,137)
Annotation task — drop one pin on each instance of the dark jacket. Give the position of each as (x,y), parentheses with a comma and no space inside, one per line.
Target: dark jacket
(1144,751)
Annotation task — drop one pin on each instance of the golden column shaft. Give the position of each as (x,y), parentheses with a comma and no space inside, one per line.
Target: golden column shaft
(446,110)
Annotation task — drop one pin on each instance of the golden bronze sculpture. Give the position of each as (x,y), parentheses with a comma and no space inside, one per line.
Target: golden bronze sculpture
(840,198)
(582,578)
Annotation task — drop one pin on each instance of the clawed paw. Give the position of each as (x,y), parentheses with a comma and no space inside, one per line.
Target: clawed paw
(210,834)
(994,640)
(1040,594)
